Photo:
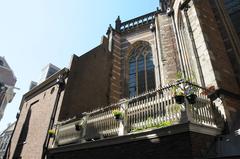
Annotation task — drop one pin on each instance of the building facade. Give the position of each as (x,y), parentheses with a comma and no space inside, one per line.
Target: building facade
(4,139)
(138,70)
(7,83)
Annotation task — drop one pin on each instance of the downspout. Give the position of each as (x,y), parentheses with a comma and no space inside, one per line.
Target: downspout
(185,9)
(61,84)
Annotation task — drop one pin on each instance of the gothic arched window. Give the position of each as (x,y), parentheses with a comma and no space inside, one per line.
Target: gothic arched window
(141,70)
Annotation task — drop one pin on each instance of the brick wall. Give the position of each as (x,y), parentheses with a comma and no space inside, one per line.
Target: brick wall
(116,69)
(32,126)
(168,54)
(88,83)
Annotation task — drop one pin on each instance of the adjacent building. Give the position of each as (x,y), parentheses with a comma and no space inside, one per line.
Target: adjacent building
(32,85)
(4,139)
(48,71)
(7,83)
(137,71)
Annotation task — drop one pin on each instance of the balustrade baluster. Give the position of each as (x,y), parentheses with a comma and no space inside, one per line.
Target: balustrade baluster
(135,113)
(131,108)
(102,121)
(139,114)
(205,114)
(171,106)
(146,111)
(152,110)
(158,107)
(99,122)
(155,109)
(107,123)
(165,106)
(211,113)
(162,110)
(206,111)
(142,114)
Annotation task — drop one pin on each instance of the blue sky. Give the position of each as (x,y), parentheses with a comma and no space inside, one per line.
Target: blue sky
(34,33)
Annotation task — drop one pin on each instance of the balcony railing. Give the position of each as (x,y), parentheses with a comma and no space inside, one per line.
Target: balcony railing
(139,21)
(154,109)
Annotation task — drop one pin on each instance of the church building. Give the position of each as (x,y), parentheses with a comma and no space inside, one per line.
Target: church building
(161,85)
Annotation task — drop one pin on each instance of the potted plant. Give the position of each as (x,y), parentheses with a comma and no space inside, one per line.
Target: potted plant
(179,97)
(178,94)
(185,89)
(118,114)
(51,133)
(190,93)
(77,127)
(192,98)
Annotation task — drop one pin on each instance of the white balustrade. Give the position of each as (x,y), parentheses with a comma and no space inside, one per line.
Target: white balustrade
(155,109)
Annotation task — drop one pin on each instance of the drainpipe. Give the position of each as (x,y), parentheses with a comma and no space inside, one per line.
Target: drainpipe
(61,84)
(185,8)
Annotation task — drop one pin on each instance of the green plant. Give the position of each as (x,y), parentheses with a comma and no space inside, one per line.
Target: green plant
(150,122)
(118,114)
(190,78)
(176,108)
(188,85)
(151,126)
(137,129)
(164,124)
(178,91)
(179,75)
(51,132)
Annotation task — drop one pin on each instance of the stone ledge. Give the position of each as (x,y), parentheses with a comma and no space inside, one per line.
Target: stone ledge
(137,136)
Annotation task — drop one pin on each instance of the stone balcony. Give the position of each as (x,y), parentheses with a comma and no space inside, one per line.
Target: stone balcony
(150,116)
(152,110)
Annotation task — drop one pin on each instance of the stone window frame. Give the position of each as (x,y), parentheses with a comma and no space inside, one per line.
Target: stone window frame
(130,51)
(186,57)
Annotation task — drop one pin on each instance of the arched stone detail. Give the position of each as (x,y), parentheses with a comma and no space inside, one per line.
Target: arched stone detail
(135,45)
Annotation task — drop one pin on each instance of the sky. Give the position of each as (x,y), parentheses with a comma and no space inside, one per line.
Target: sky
(34,33)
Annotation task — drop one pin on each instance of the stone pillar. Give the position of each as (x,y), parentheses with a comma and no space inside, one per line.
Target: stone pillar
(115,79)
(123,123)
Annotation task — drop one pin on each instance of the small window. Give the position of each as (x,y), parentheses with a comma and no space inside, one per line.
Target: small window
(1,63)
